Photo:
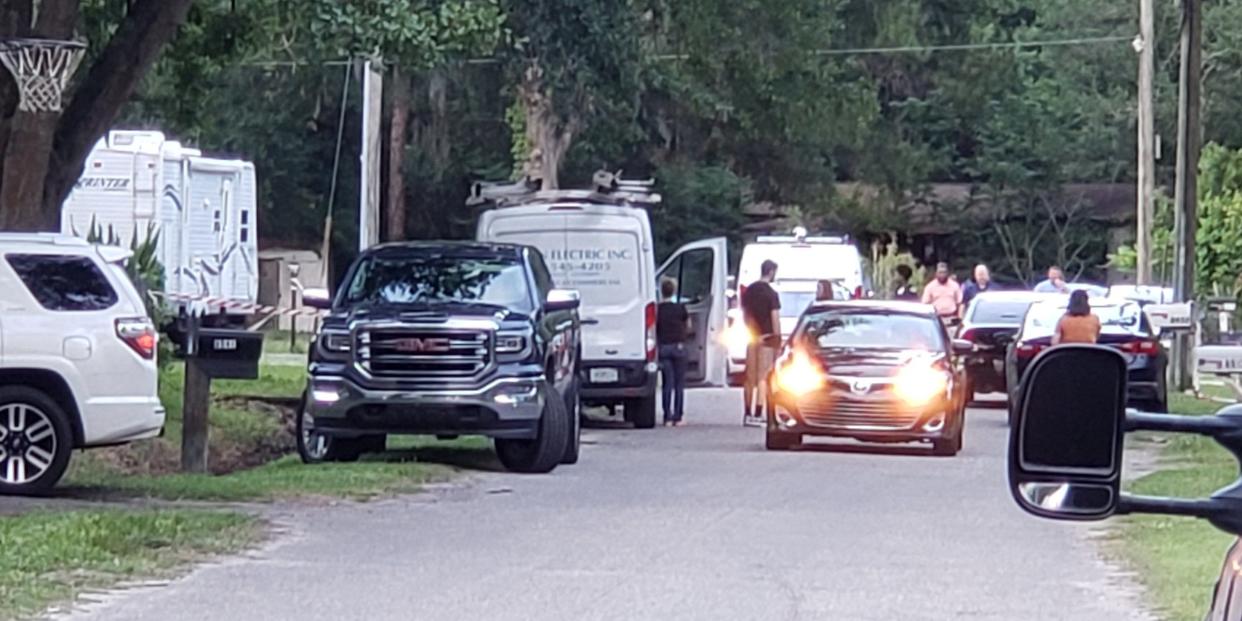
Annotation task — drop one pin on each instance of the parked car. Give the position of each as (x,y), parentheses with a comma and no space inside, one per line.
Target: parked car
(872,371)
(446,338)
(1124,327)
(1081,392)
(991,323)
(77,357)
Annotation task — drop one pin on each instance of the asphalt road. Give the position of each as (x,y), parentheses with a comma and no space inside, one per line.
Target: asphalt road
(692,523)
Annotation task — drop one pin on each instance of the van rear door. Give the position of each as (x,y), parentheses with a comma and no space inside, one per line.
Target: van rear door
(701,272)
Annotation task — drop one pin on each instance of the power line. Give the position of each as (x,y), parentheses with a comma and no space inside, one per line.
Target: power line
(954,47)
(854,51)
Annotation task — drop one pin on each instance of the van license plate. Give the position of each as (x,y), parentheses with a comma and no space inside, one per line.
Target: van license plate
(604,376)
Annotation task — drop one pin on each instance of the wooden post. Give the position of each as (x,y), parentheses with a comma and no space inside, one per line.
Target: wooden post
(1146,44)
(1187,187)
(196,402)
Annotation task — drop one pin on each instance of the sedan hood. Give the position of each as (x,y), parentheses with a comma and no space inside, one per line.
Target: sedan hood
(869,362)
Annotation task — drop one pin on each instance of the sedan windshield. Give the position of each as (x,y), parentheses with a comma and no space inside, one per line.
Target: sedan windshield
(428,280)
(837,329)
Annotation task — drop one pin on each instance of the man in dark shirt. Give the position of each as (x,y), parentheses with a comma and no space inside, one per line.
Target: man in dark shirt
(982,282)
(672,330)
(761,310)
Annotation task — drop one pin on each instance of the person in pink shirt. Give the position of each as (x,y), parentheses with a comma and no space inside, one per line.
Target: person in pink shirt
(943,293)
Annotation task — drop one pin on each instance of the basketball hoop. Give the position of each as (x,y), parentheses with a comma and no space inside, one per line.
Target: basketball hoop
(41,68)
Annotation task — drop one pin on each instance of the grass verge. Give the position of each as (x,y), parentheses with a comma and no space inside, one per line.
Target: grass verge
(50,557)
(1179,558)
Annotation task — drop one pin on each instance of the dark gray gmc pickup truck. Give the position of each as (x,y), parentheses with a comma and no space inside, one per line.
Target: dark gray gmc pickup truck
(446,339)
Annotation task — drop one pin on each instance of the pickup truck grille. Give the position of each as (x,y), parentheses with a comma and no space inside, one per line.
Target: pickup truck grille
(423,353)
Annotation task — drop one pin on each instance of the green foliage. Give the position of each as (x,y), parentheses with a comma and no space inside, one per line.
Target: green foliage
(882,268)
(1218,256)
(418,34)
(699,201)
(143,267)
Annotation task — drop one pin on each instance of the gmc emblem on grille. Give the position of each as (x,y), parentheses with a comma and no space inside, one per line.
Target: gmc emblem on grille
(427,346)
(862,387)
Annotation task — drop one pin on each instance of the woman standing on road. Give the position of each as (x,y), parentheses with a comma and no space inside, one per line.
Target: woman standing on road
(1078,325)
(672,330)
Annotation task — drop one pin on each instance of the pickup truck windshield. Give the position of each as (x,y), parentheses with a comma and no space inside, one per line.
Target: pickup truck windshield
(428,280)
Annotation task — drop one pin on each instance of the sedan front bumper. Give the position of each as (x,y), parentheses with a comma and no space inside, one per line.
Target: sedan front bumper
(508,407)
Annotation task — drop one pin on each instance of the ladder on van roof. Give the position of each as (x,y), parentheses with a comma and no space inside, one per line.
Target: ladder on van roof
(608,188)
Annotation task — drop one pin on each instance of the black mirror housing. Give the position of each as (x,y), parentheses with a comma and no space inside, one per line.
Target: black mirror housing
(1066,444)
(317,298)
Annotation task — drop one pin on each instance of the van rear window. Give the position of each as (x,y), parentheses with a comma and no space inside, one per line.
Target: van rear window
(63,282)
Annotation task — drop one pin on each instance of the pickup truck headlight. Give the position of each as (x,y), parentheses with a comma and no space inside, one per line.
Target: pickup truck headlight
(335,342)
(509,343)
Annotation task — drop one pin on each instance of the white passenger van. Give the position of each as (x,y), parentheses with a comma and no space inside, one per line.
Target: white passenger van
(600,243)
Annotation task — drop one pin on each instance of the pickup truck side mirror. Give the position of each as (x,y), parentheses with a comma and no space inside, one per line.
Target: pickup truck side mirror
(1065,449)
(961,347)
(562,300)
(317,298)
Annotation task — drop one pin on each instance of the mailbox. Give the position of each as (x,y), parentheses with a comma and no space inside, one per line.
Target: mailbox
(228,354)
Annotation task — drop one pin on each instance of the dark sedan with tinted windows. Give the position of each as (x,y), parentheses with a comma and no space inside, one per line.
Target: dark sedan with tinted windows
(872,371)
(990,324)
(1124,327)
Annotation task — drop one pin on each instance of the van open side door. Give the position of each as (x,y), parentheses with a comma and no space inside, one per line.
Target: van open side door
(701,271)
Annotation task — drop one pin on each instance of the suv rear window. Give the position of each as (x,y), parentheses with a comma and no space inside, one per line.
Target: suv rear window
(64,283)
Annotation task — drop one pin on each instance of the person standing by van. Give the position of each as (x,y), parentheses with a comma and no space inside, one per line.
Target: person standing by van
(761,310)
(672,330)
(903,289)
(1079,324)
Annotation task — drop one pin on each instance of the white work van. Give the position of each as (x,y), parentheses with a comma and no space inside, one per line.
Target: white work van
(602,246)
(204,210)
(802,258)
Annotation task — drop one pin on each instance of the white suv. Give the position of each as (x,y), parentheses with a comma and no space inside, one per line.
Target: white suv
(77,357)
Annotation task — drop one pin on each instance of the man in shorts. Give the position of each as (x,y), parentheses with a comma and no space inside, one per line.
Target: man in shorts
(761,310)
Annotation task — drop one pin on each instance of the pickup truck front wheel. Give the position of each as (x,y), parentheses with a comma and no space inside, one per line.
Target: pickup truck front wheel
(543,453)
(317,448)
(573,406)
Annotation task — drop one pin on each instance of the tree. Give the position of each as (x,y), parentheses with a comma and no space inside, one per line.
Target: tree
(44,153)
(574,61)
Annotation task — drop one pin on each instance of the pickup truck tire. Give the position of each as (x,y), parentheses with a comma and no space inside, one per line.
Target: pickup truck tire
(641,412)
(35,441)
(316,449)
(543,453)
(573,407)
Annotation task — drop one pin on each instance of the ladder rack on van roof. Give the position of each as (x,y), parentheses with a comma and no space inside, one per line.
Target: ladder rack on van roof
(609,189)
(790,239)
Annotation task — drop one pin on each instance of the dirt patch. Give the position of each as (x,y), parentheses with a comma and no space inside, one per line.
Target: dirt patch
(225,452)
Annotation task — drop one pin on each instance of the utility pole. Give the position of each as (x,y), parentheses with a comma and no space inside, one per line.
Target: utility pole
(371,157)
(1186,190)
(1145,44)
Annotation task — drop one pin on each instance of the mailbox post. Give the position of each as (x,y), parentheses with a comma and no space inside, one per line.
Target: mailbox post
(211,353)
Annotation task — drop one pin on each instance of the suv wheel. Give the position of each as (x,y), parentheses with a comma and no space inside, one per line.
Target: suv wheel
(641,412)
(573,407)
(316,448)
(35,441)
(543,453)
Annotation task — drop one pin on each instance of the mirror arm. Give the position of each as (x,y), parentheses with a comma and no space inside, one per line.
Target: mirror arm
(1224,510)
(1173,423)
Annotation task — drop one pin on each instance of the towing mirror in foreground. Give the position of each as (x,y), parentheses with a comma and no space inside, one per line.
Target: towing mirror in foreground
(1065,450)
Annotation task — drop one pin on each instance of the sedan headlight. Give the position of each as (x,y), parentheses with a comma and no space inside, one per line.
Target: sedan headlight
(798,375)
(335,342)
(918,384)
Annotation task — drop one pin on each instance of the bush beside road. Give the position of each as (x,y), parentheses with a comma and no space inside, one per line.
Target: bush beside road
(1178,559)
(47,558)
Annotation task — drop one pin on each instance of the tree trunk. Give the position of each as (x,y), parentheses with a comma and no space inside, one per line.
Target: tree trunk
(27,141)
(548,136)
(396,220)
(135,46)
